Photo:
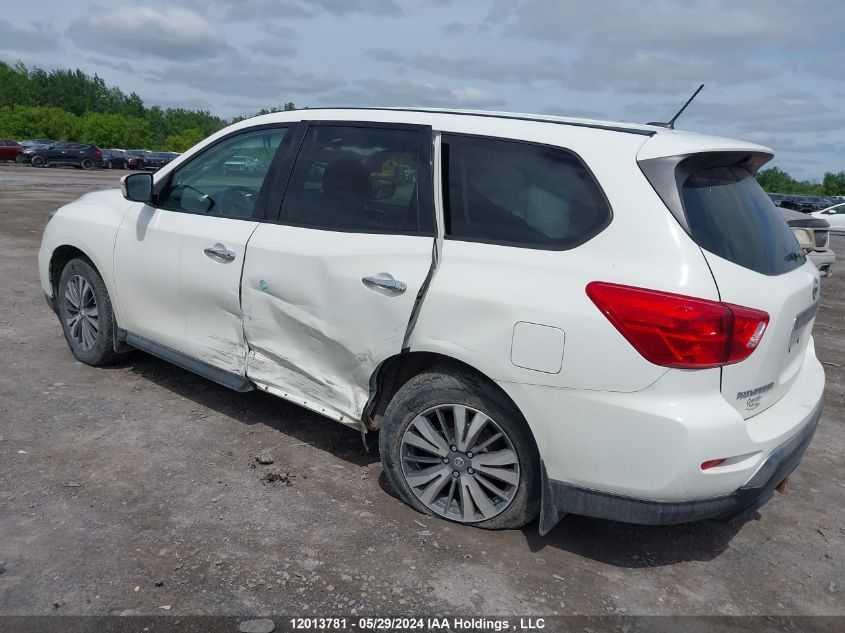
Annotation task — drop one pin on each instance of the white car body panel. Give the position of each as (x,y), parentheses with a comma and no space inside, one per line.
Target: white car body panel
(314,329)
(292,315)
(173,293)
(512,284)
(767,375)
(835,215)
(588,438)
(90,225)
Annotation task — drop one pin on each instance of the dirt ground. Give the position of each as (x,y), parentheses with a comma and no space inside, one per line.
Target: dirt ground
(133,488)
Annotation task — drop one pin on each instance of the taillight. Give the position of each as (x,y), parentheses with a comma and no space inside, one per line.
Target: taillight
(97,152)
(678,331)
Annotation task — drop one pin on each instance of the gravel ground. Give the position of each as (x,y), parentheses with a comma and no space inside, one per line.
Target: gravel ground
(133,488)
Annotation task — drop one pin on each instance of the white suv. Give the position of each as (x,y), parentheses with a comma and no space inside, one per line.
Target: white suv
(541,315)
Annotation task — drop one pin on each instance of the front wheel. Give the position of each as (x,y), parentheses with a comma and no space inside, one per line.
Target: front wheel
(453,446)
(85,313)
(19,158)
(38,161)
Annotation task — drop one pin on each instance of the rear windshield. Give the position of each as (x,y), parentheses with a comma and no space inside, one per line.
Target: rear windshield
(730,215)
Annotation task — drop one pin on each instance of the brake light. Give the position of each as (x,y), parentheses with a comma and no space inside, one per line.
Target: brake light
(674,330)
(97,152)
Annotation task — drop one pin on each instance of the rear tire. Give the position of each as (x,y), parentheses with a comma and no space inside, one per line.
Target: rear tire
(86,315)
(87,164)
(456,484)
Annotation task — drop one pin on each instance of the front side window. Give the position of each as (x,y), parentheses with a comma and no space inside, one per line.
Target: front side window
(519,194)
(357,179)
(218,181)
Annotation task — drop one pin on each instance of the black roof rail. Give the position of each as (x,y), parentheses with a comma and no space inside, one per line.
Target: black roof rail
(493,115)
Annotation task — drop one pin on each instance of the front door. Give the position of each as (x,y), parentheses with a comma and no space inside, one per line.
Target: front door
(178,264)
(329,291)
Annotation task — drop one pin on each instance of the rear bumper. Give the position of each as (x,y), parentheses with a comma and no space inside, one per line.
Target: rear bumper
(824,261)
(560,498)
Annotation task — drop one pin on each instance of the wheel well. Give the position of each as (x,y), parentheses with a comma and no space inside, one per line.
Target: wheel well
(394,372)
(61,256)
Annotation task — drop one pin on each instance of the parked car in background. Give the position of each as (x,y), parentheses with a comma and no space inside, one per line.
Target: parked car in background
(819,202)
(813,235)
(244,165)
(134,158)
(798,203)
(835,216)
(30,142)
(777,198)
(153,161)
(29,150)
(558,316)
(81,155)
(114,159)
(11,151)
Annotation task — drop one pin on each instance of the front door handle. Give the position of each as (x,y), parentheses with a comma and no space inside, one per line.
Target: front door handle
(385,285)
(219,253)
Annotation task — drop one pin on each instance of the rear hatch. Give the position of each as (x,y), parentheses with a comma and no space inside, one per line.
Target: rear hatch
(756,262)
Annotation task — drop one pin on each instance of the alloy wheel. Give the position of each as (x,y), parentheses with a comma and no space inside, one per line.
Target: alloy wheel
(83,317)
(460,463)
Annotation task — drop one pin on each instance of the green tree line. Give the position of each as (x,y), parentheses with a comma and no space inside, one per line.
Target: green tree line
(70,105)
(776,180)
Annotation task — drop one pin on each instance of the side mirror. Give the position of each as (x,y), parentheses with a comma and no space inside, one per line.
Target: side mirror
(137,187)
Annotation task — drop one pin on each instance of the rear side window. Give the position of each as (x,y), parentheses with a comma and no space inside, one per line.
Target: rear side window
(358,179)
(519,194)
(731,216)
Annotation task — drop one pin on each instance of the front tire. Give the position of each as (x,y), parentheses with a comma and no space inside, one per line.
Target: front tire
(38,161)
(86,315)
(453,446)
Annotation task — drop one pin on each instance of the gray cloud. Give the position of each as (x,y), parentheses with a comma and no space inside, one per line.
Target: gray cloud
(717,26)
(254,79)
(273,47)
(409,92)
(130,31)
(264,9)
(523,71)
(15,38)
(603,58)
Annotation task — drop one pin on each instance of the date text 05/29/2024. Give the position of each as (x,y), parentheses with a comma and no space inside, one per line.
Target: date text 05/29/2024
(416,624)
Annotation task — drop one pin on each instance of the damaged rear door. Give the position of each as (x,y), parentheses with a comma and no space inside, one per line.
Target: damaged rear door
(329,290)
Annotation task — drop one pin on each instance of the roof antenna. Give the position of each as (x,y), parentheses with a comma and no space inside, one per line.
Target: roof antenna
(671,124)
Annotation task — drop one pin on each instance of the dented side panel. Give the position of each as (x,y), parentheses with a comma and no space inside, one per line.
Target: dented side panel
(314,329)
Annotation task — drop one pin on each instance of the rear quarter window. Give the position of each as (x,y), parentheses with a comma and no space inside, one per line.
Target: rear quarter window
(731,216)
(519,194)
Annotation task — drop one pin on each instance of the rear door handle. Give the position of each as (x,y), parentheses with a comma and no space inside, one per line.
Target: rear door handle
(219,253)
(392,286)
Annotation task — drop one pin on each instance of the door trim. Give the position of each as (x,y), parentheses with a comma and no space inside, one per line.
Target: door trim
(235,382)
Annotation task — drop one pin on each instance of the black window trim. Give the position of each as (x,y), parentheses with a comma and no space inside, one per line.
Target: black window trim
(425,175)
(262,203)
(444,166)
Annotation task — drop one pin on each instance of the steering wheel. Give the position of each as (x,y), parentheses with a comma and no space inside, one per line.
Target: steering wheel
(237,201)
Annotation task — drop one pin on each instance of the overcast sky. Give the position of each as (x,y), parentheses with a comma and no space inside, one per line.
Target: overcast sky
(774,70)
